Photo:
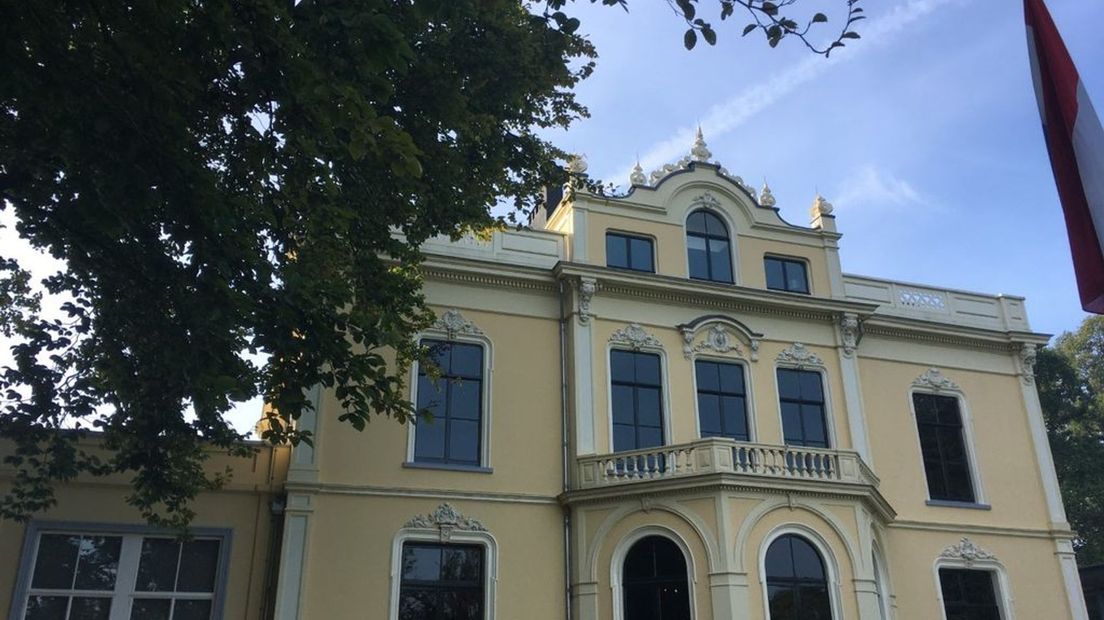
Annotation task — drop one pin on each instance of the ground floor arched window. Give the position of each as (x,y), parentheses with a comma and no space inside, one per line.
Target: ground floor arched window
(797,583)
(654,581)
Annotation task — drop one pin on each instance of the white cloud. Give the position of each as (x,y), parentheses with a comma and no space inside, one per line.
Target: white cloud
(728,115)
(871,187)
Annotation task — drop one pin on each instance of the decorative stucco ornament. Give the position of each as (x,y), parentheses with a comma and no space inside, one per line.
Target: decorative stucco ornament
(849,333)
(766,198)
(933,379)
(635,337)
(967,552)
(453,323)
(637,177)
(587,288)
(799,356)
(821,207)
(446,520)
(1027,362)
(577,164)
(699,151)
(706,199)
(717,339)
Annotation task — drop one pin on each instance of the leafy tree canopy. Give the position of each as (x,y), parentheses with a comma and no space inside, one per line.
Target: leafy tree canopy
(1070,379)
(255,176)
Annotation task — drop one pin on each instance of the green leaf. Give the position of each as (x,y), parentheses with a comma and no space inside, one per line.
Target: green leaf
(851,35)
(709,35)
(687,8)
(820,18)
(769,8)
(690,39)
(749,28)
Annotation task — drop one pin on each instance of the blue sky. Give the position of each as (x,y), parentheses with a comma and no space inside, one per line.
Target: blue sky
(925,134)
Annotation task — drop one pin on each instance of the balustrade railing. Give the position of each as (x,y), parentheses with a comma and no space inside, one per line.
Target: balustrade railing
(717,455)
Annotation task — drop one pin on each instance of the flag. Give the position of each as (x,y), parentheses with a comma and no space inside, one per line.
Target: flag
(1075,141)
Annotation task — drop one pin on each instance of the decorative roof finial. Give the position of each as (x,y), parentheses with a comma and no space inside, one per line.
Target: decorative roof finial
(700,152)
(821,207)
(577,164)
(766,198)
(637,177)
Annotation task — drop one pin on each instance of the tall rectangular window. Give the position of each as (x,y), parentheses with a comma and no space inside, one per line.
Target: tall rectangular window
(801,398)
(453,435)
(943,446)
(636,391)
(103,575)
(441,582)
(786,275)
(722,400)
(969,594)
(629,252)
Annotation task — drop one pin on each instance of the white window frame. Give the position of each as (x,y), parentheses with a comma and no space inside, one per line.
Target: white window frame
(485,414)
(729,225)
(980,497)
(454,537)
(621,551)
(665,389)
(997,573)
(831,568)
(818,367)
(126,576)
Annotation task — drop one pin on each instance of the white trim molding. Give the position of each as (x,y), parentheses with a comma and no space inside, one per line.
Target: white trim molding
(969,556)
(723,336)
(446,525)
(617,564)
(831,564)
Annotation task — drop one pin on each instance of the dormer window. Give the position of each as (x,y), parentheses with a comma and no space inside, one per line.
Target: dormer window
(708,248)
(786,274)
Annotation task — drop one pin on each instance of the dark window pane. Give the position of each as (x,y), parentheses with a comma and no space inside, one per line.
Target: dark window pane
(647,369)
(732,378)
(429,439)
(464,398)
(463,441)
(779,561)
(791,423)
(641,255)
(198,566)
(815,604)
(815,433)
(439,352)
(461,564)
(943,445)
(624,437)
(720,261)
(622,366)
(467,361)
(191,610)
(648,407)
(714,227)
(157,565)
(649,437)
(696,223)
(150,609)
(796,279)
(421,562)
(55,562)
(623,404)
(697,257)
(90,608)
(812,387)
(432,395)
(708,376)
(789,383)
(655,582)
(98,562)
(735,418)
(709,414)
(617,251)
(417,605)
(46,607)
(783,602)
(807,563)
(776,279)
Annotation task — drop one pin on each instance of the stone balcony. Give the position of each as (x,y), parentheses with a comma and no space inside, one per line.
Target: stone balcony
(713,461)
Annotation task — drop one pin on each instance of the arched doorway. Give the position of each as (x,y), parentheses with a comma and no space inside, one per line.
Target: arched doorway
(654,581)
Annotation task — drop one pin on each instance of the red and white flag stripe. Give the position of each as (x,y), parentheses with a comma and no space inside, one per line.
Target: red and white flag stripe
(1075,141)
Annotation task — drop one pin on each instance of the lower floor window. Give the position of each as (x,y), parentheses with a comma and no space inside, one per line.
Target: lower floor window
(797,584)
(441,582)
(109,576)
(969,594)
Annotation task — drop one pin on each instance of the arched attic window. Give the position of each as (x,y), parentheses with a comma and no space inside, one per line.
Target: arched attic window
(708,247)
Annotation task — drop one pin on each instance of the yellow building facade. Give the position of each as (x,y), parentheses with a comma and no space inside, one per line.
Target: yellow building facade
(666,405)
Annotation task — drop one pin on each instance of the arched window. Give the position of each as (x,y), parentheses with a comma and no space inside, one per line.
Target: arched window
(797,584)
(708,247)
(654,581)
